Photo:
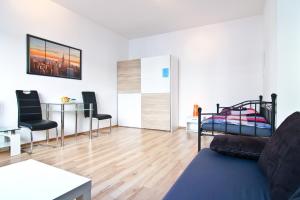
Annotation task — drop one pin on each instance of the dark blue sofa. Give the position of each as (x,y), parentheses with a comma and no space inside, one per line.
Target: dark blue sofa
(213,176)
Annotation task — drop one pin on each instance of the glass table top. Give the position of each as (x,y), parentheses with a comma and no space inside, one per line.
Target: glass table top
(6,129)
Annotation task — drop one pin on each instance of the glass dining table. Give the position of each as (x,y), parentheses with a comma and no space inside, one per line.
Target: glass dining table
(73,107)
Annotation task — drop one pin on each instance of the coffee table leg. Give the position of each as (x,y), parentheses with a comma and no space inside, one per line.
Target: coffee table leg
(85,191)
(82,192)
(15,144)
(85,196)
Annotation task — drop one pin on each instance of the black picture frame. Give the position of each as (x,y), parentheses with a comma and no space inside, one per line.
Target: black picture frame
(49,58)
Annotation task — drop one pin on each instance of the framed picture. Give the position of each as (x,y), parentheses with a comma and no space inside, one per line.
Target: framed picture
(48,58)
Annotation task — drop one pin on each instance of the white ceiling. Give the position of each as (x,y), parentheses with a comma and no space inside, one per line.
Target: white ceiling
(138,18)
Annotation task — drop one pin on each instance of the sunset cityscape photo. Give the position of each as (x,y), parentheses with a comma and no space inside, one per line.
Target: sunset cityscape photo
(52,59)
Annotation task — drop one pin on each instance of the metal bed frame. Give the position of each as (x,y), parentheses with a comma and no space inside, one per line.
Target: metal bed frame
(263,108)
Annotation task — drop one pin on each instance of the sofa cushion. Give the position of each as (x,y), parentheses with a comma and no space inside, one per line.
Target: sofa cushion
(280,159)
(239,146)
(296,195)
(214,176)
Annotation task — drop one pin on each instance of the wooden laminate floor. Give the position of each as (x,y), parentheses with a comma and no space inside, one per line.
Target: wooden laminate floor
(126,164)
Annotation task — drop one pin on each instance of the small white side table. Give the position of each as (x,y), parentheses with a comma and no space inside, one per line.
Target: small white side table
(192,124)
(15,139)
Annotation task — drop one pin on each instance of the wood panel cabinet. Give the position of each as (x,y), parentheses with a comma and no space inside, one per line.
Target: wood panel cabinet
(148,88)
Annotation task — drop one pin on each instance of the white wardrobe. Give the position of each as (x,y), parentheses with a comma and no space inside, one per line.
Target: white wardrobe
(148,93)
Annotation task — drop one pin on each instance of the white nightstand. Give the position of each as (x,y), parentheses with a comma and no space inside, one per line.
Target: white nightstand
(192,124)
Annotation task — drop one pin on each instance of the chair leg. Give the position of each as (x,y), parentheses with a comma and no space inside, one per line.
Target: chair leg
(56,135)
(110,125)
(31,142)
(47,136)
(98,128)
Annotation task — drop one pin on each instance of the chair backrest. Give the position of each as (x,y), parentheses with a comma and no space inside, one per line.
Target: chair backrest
(29,106)
(88,98)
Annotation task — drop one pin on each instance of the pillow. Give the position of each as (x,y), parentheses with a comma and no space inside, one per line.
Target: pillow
(247,111)
(225,111)
(280,159)
(239,146)
(238,111)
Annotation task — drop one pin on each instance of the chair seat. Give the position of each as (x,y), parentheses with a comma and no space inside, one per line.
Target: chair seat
(39,125)
(102,116)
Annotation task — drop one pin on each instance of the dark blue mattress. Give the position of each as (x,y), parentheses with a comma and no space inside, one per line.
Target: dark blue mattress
(212,176)
(235,129)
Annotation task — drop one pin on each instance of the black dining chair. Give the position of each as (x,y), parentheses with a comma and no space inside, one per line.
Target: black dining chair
(90,98)
(30,114)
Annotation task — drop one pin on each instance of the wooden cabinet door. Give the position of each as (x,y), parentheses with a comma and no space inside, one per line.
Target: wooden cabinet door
(155,75)
(129,110)
(129,76)
(156,111)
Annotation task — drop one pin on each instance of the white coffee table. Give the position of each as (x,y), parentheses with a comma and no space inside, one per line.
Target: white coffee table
(34,180)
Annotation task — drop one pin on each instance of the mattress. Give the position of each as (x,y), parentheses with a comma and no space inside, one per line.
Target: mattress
(234,123)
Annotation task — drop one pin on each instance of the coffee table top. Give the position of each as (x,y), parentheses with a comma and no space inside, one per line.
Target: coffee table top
(5,129)
(34,180)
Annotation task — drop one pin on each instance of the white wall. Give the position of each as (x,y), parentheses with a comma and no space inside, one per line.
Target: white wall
(101,49)
(288,57)
(270,44)
(282,46)
(218,63)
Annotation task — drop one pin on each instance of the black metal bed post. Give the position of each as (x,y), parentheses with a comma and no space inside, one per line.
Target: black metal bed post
(199,128)
(213,124)
(225,123)
(218,108)
(273,117)
(240,121)
(255,120)
(260,104)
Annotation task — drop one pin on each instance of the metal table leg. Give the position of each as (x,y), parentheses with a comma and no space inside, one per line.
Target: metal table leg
(110,125)
(47,117)
(76,120)
(98,128)
(91,118)
(62,118)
